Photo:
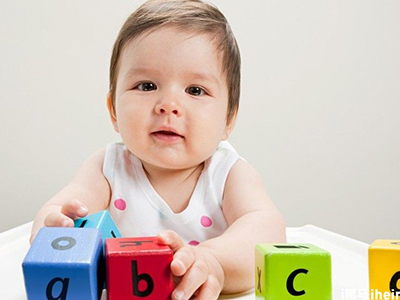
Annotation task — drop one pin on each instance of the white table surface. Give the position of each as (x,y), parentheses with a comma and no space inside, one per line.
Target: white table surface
(349,261)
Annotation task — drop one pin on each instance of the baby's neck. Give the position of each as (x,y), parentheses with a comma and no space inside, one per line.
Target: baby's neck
(161,177)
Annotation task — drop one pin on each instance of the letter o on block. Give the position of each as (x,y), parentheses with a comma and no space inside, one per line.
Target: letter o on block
(292,271)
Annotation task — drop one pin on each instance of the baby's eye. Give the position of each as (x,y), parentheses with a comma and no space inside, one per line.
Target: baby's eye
(195,91)
(146,86)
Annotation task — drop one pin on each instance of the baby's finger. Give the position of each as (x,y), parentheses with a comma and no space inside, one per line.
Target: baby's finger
(183,260)
(210,290)
(74,209)
(172,239)
(32,238)
(57,219)
(192,280)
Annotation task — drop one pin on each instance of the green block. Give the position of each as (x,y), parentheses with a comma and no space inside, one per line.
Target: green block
(292,271)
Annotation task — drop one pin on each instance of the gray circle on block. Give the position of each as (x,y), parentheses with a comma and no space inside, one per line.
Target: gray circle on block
(56,243)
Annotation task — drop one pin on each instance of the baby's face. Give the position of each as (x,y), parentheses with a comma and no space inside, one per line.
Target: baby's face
(171,98)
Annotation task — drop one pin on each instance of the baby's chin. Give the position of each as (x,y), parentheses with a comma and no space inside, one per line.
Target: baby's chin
(172,159)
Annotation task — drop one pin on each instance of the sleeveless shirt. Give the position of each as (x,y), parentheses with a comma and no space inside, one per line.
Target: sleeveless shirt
(139,211)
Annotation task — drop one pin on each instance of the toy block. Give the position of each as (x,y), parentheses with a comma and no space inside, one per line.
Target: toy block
(288,271)
(384,269)
(138,268)
(101,220)
(64,263)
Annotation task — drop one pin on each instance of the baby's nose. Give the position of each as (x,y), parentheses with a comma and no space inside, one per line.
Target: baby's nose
(168,107)
(163,111)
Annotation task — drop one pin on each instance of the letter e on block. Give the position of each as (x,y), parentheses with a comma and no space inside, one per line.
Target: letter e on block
(384,267)
(138,268)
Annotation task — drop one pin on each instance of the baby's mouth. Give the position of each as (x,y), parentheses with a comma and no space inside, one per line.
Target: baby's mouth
(167,132)
(166,135)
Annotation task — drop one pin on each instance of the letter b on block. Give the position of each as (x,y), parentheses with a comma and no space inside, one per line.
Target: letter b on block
(292,271)
(138,268)
(384,267)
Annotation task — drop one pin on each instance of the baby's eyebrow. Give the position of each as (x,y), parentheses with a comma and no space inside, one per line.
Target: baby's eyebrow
(203,76)
(134,71)
(141,71)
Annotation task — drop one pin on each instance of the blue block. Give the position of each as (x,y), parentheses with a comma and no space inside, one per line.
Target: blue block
(101,220)
(65,263)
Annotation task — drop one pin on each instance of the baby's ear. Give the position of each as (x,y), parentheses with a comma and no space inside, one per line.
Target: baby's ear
(112,112)
(229,127)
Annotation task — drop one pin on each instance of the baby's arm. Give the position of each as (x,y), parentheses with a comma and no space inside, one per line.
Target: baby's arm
(88,192)
(253,218)
(226,263)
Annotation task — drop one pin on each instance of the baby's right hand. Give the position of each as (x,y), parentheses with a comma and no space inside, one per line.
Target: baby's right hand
(71,210)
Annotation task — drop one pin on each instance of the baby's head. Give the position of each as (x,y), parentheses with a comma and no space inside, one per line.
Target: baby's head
(174,77)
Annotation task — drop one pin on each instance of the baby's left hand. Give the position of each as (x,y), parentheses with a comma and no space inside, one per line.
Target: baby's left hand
(200,273)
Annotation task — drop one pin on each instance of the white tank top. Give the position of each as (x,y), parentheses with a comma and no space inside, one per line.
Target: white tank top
(138,210)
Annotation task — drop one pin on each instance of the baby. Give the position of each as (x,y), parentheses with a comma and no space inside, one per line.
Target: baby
(173,98)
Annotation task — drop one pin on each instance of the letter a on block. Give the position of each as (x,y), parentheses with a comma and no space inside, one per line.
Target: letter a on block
(384,267)
(65,263)
(138,268)
(292,271)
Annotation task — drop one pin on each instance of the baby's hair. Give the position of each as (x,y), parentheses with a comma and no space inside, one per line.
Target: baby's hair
(189,15)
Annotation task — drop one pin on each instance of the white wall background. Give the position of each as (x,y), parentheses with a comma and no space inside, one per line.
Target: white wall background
(319,114)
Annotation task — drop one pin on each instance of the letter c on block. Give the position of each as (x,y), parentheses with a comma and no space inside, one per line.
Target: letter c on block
(290,281)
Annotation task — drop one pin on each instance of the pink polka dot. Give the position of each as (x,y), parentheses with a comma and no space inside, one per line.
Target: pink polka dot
(120,204)
(193,243)
(206,221)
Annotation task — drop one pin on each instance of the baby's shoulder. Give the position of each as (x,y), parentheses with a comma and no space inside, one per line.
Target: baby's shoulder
(242,178)
(242,169)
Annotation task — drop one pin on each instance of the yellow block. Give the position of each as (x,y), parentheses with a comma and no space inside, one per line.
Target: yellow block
(384,269)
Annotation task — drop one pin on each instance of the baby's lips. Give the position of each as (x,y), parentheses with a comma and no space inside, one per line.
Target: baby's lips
(167,133)
(167,130)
